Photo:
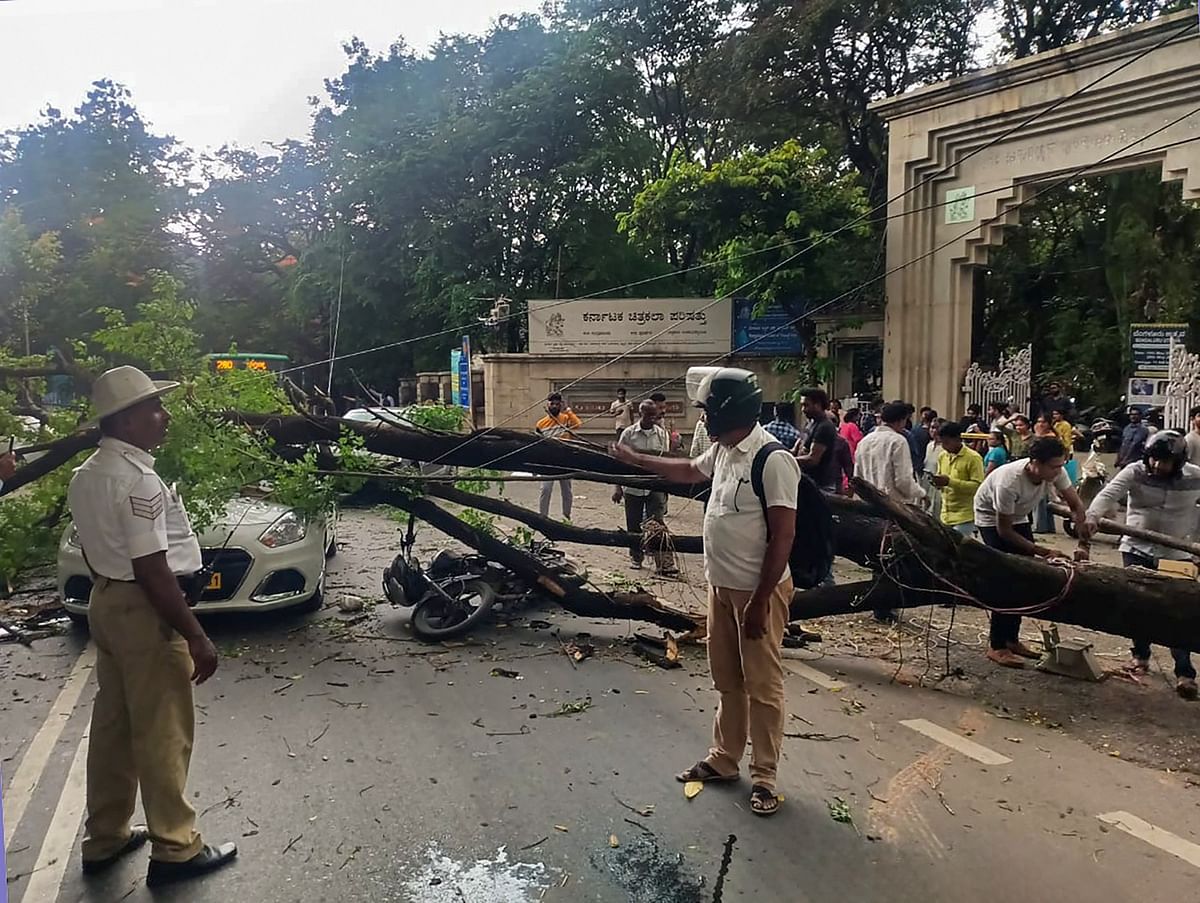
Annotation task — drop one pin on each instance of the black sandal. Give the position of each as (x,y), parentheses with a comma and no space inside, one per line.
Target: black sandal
(705,774)
(763,800)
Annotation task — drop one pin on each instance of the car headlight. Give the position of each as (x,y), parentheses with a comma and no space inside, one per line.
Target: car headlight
(73,537)
(291,527)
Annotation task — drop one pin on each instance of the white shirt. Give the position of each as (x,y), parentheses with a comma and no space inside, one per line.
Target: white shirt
(654,441)
(1011,491)
(1193,446)
(122,510)
(1166,506)
(735,530)
(884,459)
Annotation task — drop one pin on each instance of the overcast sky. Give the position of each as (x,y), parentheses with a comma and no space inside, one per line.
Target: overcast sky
(208,71)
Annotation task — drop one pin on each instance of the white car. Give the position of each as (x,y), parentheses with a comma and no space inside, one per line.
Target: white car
(265,557)
(396,417)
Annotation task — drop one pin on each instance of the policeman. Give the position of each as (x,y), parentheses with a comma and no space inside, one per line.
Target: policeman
(144,557)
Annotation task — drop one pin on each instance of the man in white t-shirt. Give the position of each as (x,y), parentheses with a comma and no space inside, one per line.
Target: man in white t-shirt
(621,412)
(750,587)
(1193,437)
(1003,504)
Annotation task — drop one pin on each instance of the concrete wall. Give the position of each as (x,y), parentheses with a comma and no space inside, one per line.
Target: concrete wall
(516,385)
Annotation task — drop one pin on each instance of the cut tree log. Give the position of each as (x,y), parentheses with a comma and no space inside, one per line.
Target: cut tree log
(1122,602)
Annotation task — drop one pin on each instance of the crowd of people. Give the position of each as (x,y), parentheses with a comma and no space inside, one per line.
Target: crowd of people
(989,476)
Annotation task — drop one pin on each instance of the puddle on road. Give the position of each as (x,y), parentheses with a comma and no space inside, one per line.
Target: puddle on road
(649,875)
(442,879)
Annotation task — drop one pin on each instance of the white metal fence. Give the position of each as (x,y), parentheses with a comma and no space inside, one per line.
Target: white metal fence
(1183,386)
(1010,383)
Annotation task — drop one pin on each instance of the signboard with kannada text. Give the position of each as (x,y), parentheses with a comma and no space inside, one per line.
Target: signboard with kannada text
(1150,344)
(630,325)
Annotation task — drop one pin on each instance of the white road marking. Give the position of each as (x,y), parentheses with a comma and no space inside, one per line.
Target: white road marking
(808,672)
(968,748)
(51,866)
(37,754)
(1153,835)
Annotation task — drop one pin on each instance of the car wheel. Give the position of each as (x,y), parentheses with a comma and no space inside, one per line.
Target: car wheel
(311,604)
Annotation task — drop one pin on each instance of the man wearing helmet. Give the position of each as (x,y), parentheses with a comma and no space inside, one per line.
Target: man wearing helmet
(746,565)
(1160,493)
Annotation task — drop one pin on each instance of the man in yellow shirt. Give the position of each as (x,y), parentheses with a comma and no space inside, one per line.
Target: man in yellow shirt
(959,474)
(1064,431)
(559,423)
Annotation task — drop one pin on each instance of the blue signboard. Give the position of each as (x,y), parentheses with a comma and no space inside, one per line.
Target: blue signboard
(464,374)
(768,335)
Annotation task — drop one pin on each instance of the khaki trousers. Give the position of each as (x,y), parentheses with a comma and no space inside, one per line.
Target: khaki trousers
(748,674)
(142,727)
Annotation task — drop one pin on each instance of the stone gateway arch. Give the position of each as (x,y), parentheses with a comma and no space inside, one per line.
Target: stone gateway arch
(943,226)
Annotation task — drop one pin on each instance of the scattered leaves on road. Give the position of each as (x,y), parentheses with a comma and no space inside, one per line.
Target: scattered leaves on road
(839,811)
(574,707)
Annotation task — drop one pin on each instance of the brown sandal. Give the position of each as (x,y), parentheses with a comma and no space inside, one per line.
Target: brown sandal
(763,800)
(705,774)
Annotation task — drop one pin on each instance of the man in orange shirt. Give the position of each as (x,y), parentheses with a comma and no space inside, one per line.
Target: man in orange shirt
(559,423)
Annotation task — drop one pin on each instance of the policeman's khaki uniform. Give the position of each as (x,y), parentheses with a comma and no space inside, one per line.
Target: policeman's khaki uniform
(142,719)
(748,674)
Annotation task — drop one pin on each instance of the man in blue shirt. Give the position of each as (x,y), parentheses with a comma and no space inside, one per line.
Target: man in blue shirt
(1133,439)
(782,427)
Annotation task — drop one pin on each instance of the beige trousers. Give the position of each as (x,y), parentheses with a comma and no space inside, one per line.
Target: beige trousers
(142,727)
(749,676)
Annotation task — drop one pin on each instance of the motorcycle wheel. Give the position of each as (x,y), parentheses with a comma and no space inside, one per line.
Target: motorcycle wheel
(434,618)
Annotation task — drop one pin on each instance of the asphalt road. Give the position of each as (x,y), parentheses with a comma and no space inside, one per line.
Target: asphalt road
(351,763)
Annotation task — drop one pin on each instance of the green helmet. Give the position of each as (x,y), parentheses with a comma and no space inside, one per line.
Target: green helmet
(731,398)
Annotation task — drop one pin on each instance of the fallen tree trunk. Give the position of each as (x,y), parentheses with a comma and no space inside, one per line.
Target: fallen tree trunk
(1112,600)
(552,529)
(57,454)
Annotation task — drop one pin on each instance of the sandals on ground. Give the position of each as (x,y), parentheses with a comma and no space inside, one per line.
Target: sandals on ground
(763,800)
(705,774)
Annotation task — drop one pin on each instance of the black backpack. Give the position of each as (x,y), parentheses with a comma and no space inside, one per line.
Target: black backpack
(812,549)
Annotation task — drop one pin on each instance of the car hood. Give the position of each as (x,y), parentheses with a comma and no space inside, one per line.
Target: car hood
(243,513)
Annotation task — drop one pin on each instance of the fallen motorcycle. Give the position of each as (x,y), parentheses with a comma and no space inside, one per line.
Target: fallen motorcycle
(459,591)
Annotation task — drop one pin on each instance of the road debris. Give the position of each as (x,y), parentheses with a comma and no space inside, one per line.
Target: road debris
(576,707)
(504,672)
(613,841)
(839,811)
(577,651)
(692,789)
(291,843)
